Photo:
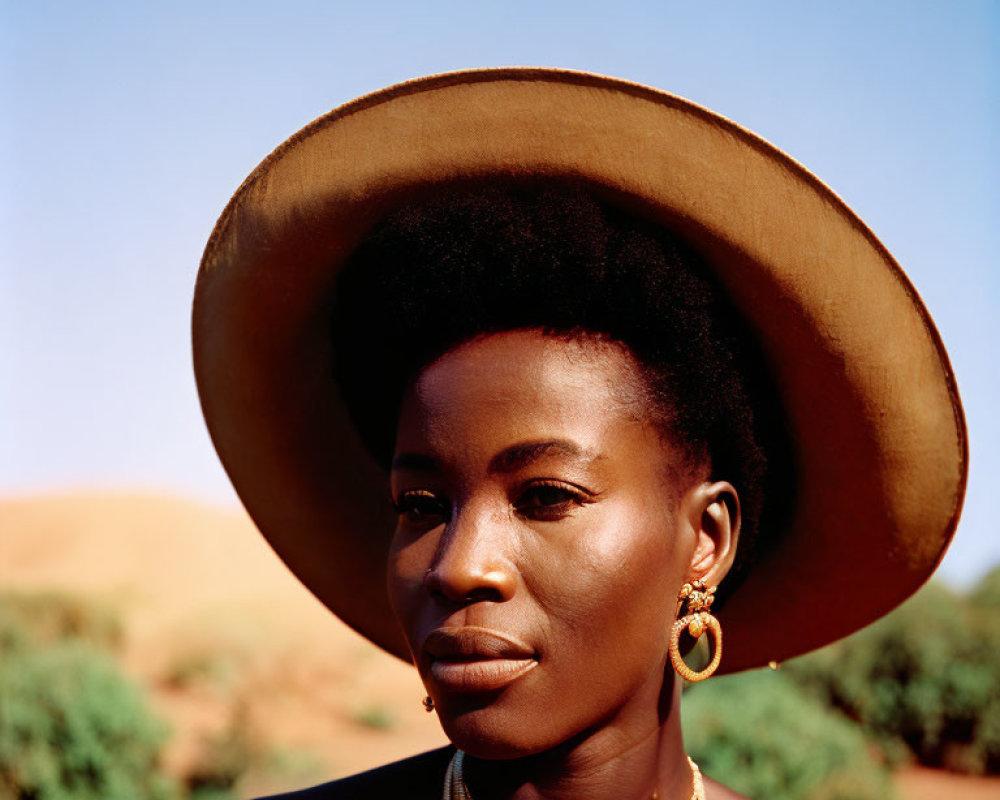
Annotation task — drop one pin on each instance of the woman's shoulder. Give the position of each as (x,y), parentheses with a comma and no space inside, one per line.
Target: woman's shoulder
(416,778)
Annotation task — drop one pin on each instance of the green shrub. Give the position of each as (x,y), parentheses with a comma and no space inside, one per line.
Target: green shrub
(376,717)
(986,593)
(73,728)
(761,735)
(42,618)
(923,680)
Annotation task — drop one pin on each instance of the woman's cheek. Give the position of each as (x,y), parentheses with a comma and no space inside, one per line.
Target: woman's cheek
(629,556)
(405,570)
(591,570)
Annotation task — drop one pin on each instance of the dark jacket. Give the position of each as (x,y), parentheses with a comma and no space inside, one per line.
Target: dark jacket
(417,778)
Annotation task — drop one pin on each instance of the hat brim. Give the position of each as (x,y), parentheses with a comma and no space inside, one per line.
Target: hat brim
(871,405)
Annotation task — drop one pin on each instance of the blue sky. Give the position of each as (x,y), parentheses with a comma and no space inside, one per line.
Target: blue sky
(124,128)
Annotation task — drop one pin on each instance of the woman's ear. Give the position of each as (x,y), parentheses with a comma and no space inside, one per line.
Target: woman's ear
(715,518)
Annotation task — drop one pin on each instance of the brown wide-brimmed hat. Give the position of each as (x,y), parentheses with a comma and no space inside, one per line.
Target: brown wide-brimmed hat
(871,406)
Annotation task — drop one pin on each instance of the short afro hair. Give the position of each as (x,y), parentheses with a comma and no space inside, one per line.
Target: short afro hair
(466,261)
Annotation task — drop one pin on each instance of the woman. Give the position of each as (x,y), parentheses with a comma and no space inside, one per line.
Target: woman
(612,357)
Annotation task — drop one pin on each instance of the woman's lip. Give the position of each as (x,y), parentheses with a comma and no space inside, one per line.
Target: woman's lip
(487,674)
(472,643)
(474,659)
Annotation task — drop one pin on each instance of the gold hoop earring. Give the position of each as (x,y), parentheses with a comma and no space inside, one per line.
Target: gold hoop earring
(697,620)
(428,704)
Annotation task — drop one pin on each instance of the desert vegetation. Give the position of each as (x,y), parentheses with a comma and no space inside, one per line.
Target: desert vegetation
(918,686)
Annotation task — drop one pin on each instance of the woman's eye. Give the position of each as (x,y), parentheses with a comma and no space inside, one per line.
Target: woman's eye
(547,501)
(420,507)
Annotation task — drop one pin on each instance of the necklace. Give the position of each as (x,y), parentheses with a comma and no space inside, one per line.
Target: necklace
(455,788)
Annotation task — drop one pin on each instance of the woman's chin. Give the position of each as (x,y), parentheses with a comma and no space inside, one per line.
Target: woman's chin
(493,734)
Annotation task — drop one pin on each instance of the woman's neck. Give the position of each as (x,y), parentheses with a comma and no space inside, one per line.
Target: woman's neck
(625,759)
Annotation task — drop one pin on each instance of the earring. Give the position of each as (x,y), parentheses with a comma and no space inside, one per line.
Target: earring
(428,704)
(697,620)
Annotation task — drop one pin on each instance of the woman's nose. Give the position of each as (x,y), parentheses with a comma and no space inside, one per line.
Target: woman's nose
(471,564)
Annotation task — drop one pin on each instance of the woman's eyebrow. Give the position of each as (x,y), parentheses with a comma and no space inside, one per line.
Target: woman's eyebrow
(520,455)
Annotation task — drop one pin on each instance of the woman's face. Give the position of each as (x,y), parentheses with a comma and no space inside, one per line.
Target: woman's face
(545,528)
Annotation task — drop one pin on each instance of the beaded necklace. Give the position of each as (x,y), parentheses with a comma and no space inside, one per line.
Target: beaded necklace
(455,788)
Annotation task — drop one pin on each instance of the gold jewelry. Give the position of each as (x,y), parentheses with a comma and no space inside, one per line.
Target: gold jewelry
(428,704)
(697,784)
(455,788)
(697,620)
